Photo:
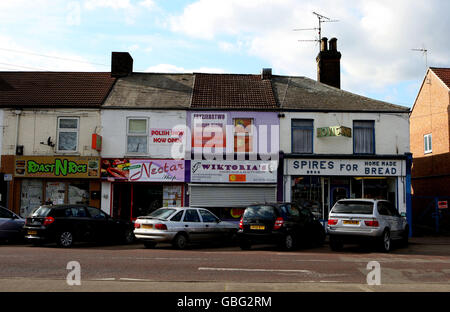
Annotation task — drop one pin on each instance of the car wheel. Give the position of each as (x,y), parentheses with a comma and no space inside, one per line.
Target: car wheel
(288,242)
(128,236)
(180,241)
(385,243)
(65,239)
(149,245)
(335,244)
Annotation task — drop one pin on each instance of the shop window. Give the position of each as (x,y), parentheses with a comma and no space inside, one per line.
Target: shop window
(243,135)
(31,196)
(307,193)
(302,136)
(137,135)
(55,193)
(68,129)
(427,143)
(363,137)
(78,193)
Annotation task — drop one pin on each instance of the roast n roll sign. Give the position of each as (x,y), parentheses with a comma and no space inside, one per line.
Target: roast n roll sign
(346,167)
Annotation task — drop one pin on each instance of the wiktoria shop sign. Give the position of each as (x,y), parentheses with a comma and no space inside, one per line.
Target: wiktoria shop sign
(234,171)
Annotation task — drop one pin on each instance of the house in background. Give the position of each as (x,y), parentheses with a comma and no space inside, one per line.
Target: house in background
(430,146)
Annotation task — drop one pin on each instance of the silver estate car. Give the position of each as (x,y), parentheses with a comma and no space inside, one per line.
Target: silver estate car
(356,220)
(182,225)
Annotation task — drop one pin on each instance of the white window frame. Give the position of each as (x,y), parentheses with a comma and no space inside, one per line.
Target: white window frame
(428,143)
(137,134)
(72,130)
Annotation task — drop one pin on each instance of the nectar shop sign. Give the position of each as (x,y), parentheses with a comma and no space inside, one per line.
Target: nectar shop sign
(349,167)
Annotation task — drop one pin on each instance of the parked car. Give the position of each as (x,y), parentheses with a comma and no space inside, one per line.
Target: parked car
(181,226)
(284,224)
(11,225)
(67,224)
(361,220)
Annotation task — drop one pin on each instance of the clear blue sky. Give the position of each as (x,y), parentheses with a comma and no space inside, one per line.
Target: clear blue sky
(232,36)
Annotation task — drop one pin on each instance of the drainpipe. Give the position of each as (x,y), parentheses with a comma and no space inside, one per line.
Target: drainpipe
(17,112)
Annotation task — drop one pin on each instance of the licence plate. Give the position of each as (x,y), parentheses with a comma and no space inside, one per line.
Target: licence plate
(257,227)
(147,226)
(32,232)
(350,222)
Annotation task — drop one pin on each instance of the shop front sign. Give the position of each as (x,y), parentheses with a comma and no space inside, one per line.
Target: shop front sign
(57,167)
(234,171)
(143,170)
(334,131)
(346,167)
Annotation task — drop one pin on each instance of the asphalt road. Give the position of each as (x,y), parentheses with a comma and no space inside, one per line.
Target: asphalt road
(422,266)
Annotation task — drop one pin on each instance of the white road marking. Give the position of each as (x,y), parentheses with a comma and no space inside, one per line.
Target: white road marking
(254,270)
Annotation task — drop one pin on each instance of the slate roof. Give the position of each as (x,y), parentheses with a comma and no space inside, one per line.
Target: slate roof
(54,89)
(232,91)
(305,94)
(152,90)
(443,74)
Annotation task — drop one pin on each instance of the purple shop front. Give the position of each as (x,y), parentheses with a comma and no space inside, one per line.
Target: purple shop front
(234,160)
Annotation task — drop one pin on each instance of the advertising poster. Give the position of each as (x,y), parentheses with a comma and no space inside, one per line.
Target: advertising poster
(143,170)
(209,129)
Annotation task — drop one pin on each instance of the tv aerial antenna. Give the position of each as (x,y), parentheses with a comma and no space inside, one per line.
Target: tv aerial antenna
(424,53)
(322,19)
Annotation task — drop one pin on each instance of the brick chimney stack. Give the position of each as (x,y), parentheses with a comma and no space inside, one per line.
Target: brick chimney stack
(121,64)
(329,63)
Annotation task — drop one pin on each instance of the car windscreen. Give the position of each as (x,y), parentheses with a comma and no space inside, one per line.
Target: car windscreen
(353,207)
(260,212)
(162,213)
(41,212)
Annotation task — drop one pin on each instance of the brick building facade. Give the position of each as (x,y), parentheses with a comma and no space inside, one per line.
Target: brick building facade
(430,142)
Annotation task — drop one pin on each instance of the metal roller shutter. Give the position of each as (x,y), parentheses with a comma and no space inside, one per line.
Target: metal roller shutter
(230,196)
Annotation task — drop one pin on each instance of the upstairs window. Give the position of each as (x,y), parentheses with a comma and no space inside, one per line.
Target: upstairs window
(243,135)
(302,136)
(427,143)
(137,135)
(68,128)
(363,137)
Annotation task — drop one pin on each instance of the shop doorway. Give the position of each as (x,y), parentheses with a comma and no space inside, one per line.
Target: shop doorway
(121,201)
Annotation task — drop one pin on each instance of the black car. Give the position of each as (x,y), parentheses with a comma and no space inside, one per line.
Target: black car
(284,224)
(66,224)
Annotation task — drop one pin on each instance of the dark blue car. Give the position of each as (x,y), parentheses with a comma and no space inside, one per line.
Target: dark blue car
(11,225)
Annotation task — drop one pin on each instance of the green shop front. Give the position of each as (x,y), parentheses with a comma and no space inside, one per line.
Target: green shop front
(42,180)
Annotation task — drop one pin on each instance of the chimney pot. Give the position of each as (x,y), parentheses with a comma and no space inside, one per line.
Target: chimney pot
(333,44)
(266,73)
(323,44)
(328,63)
(121,64)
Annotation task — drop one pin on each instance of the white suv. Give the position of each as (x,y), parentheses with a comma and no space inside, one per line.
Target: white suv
(354,220)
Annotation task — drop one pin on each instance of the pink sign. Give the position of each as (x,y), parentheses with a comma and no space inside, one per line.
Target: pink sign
(166,136)
(156,170)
